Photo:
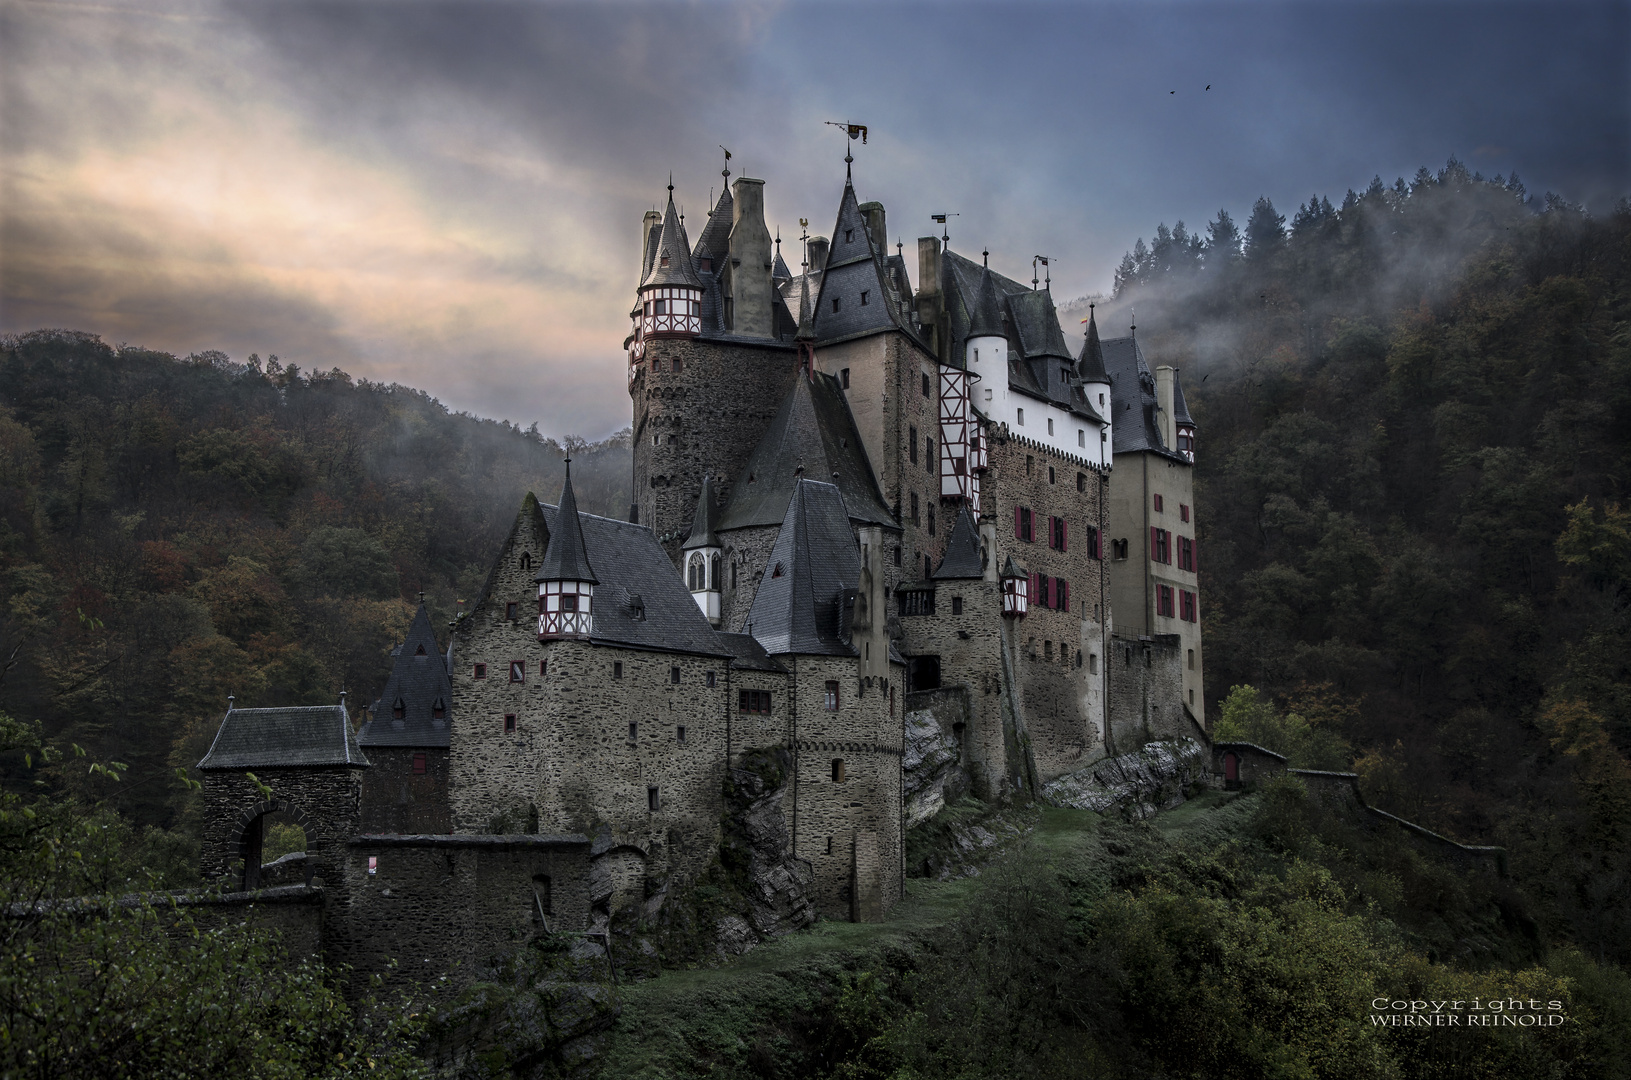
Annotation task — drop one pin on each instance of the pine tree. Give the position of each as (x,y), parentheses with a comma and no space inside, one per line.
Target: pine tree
(1222,240)
(1265,230)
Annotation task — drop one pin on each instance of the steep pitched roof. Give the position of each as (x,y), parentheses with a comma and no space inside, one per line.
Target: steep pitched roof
(1132,393)
(283,738)
(985,318)
(1037,325)
(962,550)
(566,559)
(674,250)
(1180,407)
(747,653)
(703,524)
(779,271)
(419,679)
(1090,364)
(801,603)
(640,600)
(715,239)
(854,279)
(813,436)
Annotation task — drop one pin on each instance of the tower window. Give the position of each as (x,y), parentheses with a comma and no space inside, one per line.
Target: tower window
(843,377)
(835,303)
(708,679)
(832,696)
(1081,436)
(679,733)
(928,452)
(914,508)
(674,674)
(419,764)
(479,672)
(509,721)
(957,605)
(863,297)
(1050,425)
(925,384)
(1183,511)
(1020,415)
(837,770)
(829,845)
(911,443)
(634,730)
(569,602)
(653,803)
(897,554)
(518,671)
(1050,474)
(679,365)
(1160,504)
(617,669)
(931,521)
(509,612)
(1081,481)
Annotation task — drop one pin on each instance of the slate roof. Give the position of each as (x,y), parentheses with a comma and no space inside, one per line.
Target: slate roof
(813,436)
(962,550)
(419,679)
(1037,325)
(715,239)
(703,524)
(633,566)
(1132,393)
(566,558)
(780,272)
(985,319)
(747,653)
(1180,407)
(1090,364)
(854,267)
(802,602)
(672,245)
(282,738)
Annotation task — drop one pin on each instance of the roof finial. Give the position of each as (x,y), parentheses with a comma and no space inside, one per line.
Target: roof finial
(985,257)
(230,699)
(726,171)
(342,699)
(899,248)
(421,596)
(670,183)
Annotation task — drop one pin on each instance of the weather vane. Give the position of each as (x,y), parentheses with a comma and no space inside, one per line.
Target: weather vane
(1047,280)
(945,237)
(726,171)
(852,130)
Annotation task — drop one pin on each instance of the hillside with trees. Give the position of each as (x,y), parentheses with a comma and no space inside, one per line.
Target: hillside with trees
(1415,446)
(175,530)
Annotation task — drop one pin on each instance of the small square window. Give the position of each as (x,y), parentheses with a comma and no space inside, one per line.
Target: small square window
(832,697)
(679,733)
(510,610)
(480,671)
(419,764)
(617,669)
(509,721)
(838,770)
(679,365)
(1021,417)
(674,674)
(957,605)
(708,680)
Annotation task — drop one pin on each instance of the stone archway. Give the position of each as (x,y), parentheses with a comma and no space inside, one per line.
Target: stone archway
(249,829)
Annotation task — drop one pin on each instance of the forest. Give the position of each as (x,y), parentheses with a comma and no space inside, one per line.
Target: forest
(1414,415)
(1414,410)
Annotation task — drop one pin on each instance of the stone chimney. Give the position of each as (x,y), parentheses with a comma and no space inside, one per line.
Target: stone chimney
(1163,404)
(750,260)
(819,246)
(876,227)
(652,220)
(931,302)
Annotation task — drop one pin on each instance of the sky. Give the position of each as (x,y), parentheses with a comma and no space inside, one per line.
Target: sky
(449,195)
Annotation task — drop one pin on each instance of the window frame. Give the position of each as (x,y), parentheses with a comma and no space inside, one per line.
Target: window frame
(831,699)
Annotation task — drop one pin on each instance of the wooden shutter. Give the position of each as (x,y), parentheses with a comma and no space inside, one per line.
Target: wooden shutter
(1155,550)
(1064,535)
(1017,534)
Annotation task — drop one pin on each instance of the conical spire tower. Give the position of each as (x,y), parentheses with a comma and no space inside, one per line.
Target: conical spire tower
(566,581)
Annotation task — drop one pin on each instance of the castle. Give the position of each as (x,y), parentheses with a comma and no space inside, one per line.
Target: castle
(905,537)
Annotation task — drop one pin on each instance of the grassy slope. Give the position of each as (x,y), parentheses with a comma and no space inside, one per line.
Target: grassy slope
(690,1023)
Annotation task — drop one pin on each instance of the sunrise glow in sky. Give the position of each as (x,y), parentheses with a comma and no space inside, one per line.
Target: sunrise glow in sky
(449,195)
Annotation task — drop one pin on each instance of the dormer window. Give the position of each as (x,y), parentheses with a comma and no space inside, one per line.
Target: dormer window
(849,235)
(835,303)
(663,262)
(438,711)
(419,651)
(705,265)
(399,709)
(777,572)
(863,297)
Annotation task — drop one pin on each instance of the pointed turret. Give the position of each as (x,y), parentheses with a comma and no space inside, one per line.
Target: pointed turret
(566,581)
(671,292)
(1090,364)
(1182,421)
(986,318)
(1016,588)
(413,708)
(963,558)
(704,555)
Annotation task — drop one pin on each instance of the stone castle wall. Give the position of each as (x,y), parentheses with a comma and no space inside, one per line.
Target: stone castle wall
(707,418)
(1146,687)
(325,802)
(395,799)
(832,819)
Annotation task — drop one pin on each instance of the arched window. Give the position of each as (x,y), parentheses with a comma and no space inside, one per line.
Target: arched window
(713,573)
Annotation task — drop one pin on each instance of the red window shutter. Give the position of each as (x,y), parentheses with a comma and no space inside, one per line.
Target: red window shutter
(1155,552)
(1017,535)
(1064,535)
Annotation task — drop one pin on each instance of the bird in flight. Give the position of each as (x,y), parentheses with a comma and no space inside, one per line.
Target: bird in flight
(1209,86)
